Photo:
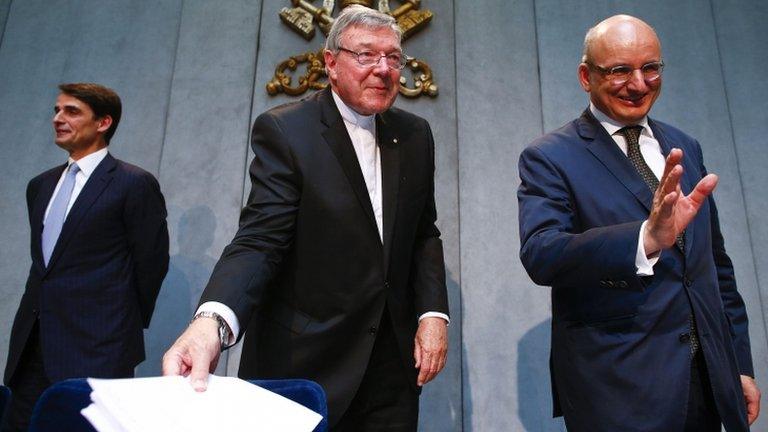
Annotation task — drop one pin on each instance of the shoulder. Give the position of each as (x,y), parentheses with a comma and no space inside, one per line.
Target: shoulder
(133,175)
(405,119)
(670,131)
(562,141)
(53,172)
(292,113)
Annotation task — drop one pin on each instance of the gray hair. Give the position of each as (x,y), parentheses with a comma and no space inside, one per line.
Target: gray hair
(358,15)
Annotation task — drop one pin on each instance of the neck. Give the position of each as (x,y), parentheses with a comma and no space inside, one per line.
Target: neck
(83,152)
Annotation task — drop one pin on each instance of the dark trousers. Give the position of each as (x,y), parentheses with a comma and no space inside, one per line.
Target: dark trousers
(386,400)
(702,413)
(27,384)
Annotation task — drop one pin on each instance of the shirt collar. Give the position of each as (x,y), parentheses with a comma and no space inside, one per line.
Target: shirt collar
(612,126)
(88,164)
(350,116)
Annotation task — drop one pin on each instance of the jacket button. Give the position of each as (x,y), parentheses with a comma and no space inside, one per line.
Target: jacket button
(684,337)
(623,284)
(372,330)
(610,284)
(687,282)
(386,284)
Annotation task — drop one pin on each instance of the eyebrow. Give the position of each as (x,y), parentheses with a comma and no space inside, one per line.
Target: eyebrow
(367,45)
(66,107)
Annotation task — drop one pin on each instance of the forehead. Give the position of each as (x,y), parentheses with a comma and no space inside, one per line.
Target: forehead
(377,38)
(65,100)
(626,44)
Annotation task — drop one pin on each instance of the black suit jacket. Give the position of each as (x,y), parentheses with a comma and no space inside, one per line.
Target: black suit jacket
(620,344)
(99,288)
(307,273)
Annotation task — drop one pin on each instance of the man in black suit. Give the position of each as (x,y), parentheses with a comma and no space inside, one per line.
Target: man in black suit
(99,255)
(337,269)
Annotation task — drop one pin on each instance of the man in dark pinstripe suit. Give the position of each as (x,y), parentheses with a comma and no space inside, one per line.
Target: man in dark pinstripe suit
(99,248)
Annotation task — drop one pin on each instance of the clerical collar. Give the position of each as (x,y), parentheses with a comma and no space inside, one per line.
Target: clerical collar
(612,126)
(351,116)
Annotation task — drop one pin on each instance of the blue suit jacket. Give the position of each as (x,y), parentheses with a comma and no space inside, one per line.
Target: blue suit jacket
(620,356)
(99,288)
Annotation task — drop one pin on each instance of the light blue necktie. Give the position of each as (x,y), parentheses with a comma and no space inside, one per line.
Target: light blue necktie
(58,213)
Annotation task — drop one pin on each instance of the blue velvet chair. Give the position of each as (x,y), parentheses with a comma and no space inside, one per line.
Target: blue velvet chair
(5,397)
(58,409)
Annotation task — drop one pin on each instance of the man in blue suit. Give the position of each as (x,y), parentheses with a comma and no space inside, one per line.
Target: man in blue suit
(648,330)
(99,251)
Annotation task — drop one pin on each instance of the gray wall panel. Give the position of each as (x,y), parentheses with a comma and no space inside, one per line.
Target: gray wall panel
(274,44)
(505,317)
(203,157)
(742,38)
(5,5)
(441,400)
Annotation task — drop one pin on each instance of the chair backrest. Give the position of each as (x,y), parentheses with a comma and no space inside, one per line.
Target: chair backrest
(58,409)
(5,397)
(306,392)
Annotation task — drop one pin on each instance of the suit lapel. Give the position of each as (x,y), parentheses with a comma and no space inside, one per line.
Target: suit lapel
(604,148)
(95,185)
(389,146)
(337,138)
(44,194)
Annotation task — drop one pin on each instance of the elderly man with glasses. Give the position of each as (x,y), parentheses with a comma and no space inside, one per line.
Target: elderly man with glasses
(336,273)
(648,330)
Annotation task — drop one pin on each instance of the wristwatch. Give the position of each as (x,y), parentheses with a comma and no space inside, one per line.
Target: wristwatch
(224,332)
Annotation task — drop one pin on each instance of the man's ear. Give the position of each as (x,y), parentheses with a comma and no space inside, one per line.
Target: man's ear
(330,64)
(583,72)
(104,123)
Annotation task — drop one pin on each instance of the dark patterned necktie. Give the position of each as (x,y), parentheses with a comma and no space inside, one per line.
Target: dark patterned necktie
(632,135)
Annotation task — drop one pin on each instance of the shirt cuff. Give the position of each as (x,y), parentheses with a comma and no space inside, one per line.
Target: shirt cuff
(225,313)
(642,262)
(436,315)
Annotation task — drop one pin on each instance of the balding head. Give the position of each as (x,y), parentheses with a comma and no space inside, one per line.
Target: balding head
(618,29)
(621,43)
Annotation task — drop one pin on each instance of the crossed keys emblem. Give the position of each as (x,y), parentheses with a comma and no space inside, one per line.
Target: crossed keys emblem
(304,18)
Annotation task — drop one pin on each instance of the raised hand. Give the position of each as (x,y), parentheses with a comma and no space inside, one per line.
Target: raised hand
(672,211)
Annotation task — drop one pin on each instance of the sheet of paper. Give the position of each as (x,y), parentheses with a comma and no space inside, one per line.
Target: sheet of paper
(170,404)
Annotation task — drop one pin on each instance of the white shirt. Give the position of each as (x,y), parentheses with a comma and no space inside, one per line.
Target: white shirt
(87,165)
(362,133)
(651,151)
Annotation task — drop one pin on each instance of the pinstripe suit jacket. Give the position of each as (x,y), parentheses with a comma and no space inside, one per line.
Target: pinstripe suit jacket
(99,288)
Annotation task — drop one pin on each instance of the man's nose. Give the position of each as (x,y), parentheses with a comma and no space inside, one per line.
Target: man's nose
(636,81)
(381,67)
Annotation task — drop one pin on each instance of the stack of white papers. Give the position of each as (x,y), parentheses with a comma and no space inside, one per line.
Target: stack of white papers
(171,404)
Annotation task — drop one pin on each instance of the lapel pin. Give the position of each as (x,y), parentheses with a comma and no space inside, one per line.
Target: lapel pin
(394,140)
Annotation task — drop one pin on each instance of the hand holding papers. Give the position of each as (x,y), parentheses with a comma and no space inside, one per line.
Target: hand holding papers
(170,404)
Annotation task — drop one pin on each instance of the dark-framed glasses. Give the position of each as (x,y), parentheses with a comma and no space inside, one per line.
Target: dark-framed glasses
(394,60)
(622,73)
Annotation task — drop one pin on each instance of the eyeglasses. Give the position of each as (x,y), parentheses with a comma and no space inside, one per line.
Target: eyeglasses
(622,73)
(395,60)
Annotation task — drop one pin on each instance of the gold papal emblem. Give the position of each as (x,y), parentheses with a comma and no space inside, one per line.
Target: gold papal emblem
(304,18)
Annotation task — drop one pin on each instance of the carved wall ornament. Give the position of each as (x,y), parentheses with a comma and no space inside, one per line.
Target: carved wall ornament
(304,17)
